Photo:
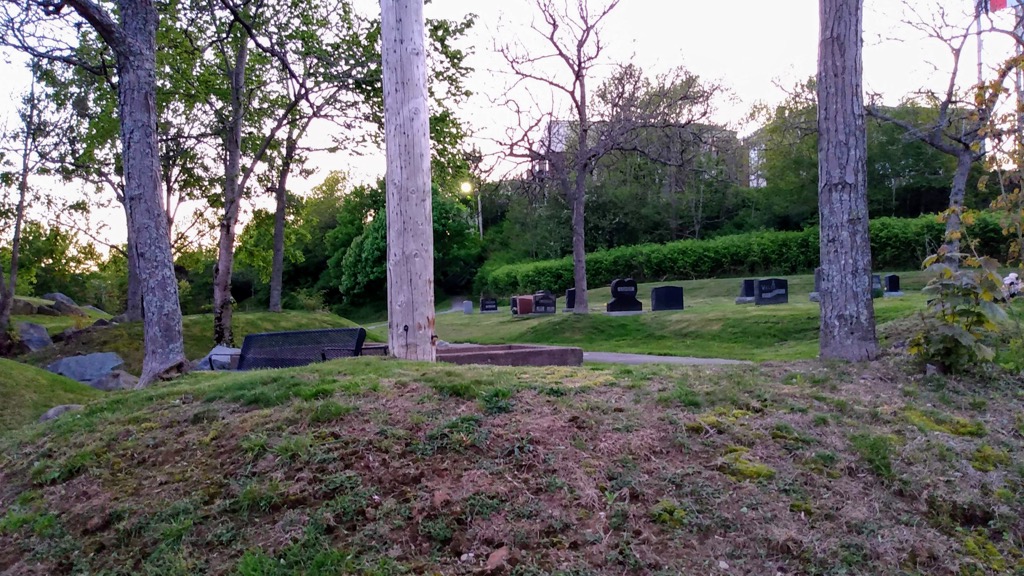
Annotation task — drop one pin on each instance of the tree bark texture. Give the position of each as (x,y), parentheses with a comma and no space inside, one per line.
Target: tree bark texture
(847,312)
(280,214)
(136,70)
(133,311)
(964,160)
(222,333)
(579,198)
(409,215)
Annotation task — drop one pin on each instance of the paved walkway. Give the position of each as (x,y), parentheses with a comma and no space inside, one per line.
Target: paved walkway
(617,358)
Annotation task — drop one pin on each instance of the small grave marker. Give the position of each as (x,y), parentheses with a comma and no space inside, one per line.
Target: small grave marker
(771,291)
(892,286)
(488,305)
(666,298)
(624,291)
(524,305)
(467,306)
(816,295)
(876,286)
(544,303)
(570,300)
(746,292)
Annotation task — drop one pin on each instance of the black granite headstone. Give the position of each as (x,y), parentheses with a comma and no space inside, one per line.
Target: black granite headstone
(771,291)
(624,291)
(488,305)
(544,303)
(513,305)
(667,298)
(570,300)
(892,283)
(746,292)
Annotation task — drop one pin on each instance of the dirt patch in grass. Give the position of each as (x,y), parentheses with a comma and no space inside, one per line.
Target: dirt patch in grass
(795,468)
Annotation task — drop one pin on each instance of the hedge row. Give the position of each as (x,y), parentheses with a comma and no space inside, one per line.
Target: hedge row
(896,244)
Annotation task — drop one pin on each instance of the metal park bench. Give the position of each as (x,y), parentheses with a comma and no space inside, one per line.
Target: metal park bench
(299,348)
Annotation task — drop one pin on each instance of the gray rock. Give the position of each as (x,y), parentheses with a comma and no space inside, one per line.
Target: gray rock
(101,323)
(22,307)
(58,410)
(88,367)
(45,310)
(119,319)
(218,359)
(34,336)
(116,380)
(58,297)
(68,309)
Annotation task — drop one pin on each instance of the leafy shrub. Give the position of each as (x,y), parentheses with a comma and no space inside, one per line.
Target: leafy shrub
(962,319)
(896,243)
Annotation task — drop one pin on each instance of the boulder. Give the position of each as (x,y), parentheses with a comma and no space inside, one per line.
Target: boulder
(45,310)
(22,307)
(34,336)
(116,380)
(87,368)
(58,297)
(218,359)
(119,319)
(58,410)
(68,309)
(101,323)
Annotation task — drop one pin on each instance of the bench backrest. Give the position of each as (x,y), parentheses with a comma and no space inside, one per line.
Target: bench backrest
(300,347)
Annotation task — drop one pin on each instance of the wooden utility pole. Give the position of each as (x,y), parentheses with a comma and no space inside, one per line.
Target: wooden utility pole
(847,312)
(409,214)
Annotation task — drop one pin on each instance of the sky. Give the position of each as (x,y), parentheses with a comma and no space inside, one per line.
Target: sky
(752,47)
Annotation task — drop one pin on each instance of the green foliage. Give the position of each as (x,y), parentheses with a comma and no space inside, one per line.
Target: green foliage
(895,244)
(963,318)
(876,451)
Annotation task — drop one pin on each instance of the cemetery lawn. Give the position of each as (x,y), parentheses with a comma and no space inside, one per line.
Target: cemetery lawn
(711,326)
(126,339)
(26,392)
(379,467)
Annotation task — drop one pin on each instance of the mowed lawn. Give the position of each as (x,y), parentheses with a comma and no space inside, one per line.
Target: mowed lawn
(711,326)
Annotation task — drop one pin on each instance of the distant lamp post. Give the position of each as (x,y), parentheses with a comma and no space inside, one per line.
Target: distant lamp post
(467,188)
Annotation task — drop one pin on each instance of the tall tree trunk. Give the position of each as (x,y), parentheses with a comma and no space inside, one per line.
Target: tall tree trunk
(964,161)
(409,214)
(281,196)
(222,333)
(133,311)
(847,311)
(6,301)
(136,71)
(579,245)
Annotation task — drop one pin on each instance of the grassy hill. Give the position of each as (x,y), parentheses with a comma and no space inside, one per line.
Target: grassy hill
(57,324)
(711,326)
(379,467)
(126,339)
(26,392)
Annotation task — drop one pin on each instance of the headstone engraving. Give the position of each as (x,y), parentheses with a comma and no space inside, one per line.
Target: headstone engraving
(544,303)
(891,284)
(746,292)
(816,295)
(488,305)
(570,300)
(624,291)
(771,291)
(666,298)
